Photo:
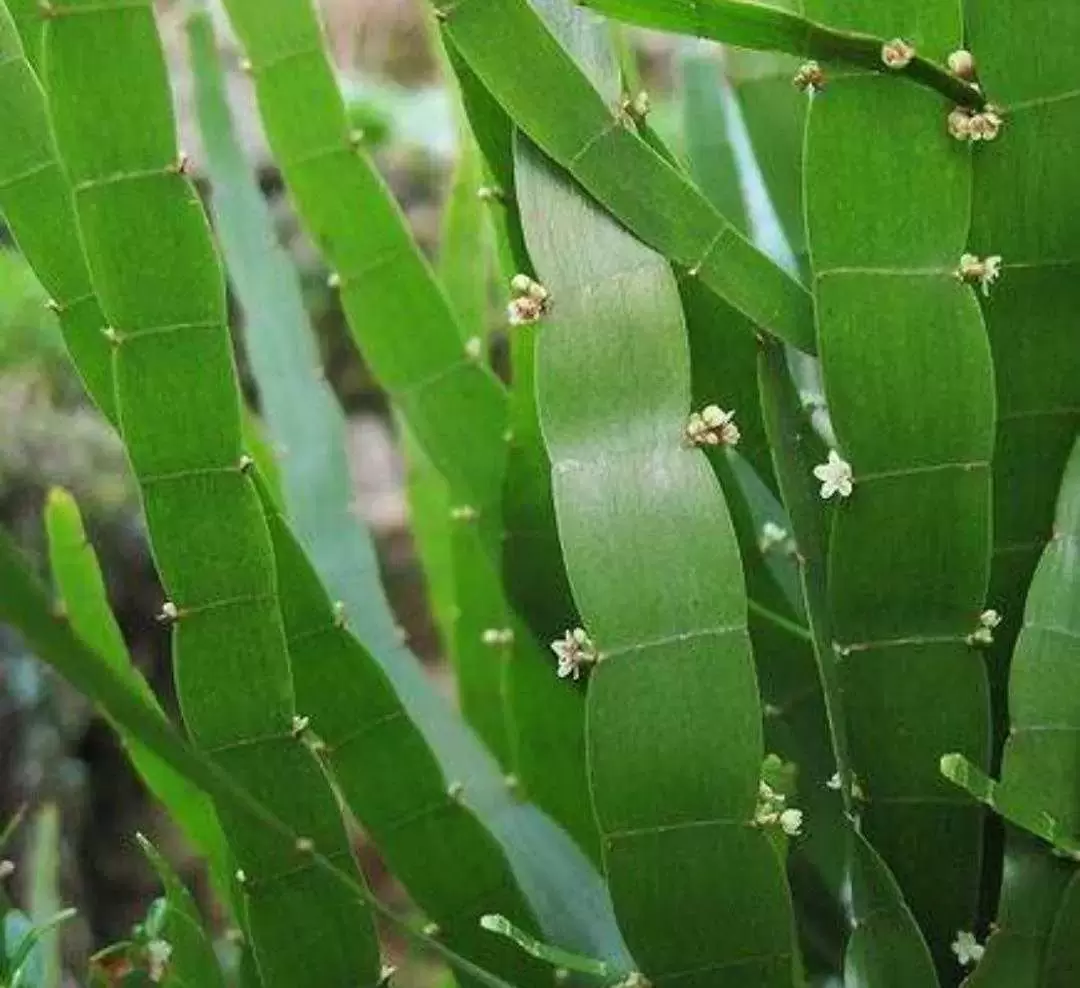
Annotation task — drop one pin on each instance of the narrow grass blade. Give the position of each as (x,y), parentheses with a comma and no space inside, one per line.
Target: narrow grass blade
(613,381)
(909,550)
(157,277)
(496,923)
(44,904)
(176,939)
(37,206)
(83,601)
(587,135)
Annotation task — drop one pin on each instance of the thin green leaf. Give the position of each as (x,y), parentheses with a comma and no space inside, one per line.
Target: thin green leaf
(160,286)
(586,134)
(914,416)
(83,600)
(44,863)
(496,923)
(613,381)
(29,960)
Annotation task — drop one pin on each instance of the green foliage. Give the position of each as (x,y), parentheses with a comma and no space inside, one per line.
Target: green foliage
(778,675)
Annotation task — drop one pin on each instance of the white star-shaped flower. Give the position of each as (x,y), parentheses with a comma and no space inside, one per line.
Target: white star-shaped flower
(967,949)
(574,651)
(835,476)
(984,633)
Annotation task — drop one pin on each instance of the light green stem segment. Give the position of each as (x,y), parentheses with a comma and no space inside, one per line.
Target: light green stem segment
(497,923)
(767,27)
(655,571)
(36,202)
(588,135)
(914,417)
(399,317)
(156,275)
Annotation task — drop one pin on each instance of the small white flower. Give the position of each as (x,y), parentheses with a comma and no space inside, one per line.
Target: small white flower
(967,949)
(300,725)
(791,822)
(985,126)
(809,77)
(984,633)
(835,476)
(962,63)
(169,612)
(474,348)
(773,536)
(959,123)
(574,650)
(7,869)
(158,952)
(833,782)
(712,426)
(981,271)
(897,54)
(529,303)
(497,636)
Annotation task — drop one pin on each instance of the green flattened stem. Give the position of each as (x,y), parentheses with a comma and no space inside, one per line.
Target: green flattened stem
(399,316)
(35,199)
(519,61)
(453,869)
(561,886)
(1038,790)
(909,383)
(544,723)
(83,601)
(767,26)
(1029,311)
(885,943)
(655,571)
(156,276)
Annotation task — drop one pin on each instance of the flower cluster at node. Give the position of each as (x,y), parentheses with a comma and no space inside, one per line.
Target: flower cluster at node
(773,811)
(967,949)
(984,633)
(835,476)
(575,651)
(809,77)
(897,54)
(969,125)
(980,271)
(530,301)
(712,426)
